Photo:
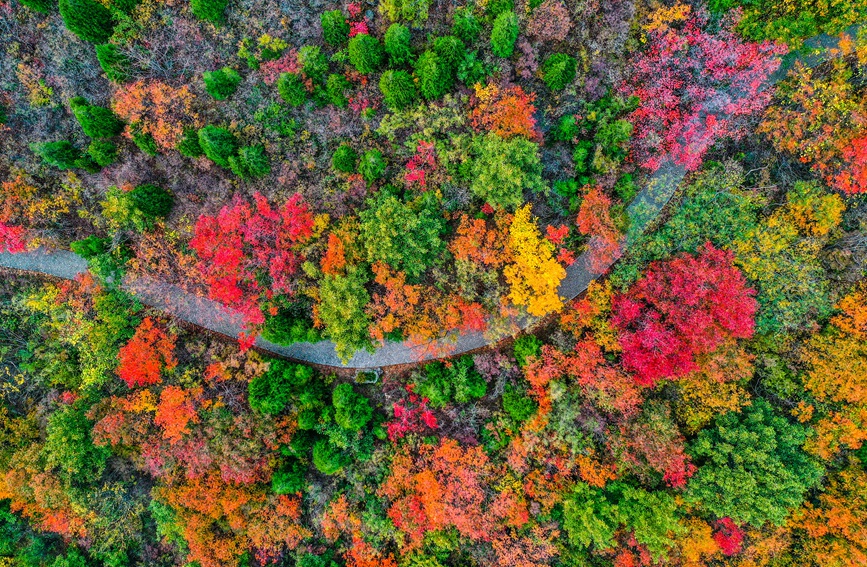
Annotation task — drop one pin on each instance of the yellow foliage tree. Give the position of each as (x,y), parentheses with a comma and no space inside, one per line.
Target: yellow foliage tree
(534,275)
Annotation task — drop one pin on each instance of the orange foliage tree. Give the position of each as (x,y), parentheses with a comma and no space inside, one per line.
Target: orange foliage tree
(821,116)
(506,112)
(438,487)
(836,378)
(147,354)
(157,109)
(222,521)
(594,220)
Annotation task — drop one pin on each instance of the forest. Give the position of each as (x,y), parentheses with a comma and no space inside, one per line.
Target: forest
(416,283)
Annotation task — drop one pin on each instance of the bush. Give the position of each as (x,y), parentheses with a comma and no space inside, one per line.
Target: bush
(189,145)
(344,159)
(292,89)
(466,26)
(372,165)
(114,64)
(251,162)
(496,7)
(558,71)
(451,52)
(102,152)
(327,458)
(517,404)
(336,86)
(218,144)
(365,53)
(222,83)
(270,392)
(526,346)
(398,89)
(434,79)
(44,6)
(143,140)
(335,30)
(61,154)
(289,479)
(96,121)
(397,45)
(88,19)
(209,10)
(153,202)
(352,410)
(504,34)
(473,70)
(4,113)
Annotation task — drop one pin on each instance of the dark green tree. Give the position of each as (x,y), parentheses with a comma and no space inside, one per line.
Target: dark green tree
(337,87)
(397,45)
(372,165)
(96,121)
(398,89)
(352,410)
(365,53)
(466,26)
(88,19)
(218,144)
(114,64)
(152,201)
(451,52)
(44,6)
(103,152)
(209,10)
(61,154)
(335,30)
(189,145)
(69,448)
(344,159)
(401,236)
(292,89)
(250,162)
(558,71)
(432,74)
(222,83)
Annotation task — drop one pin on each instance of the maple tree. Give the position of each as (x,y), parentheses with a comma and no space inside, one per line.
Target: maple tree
(696,87)
(683,307)
(243,244)
(147,355)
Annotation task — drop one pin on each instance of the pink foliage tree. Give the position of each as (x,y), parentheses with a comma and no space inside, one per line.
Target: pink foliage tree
(682,307)
(696,87)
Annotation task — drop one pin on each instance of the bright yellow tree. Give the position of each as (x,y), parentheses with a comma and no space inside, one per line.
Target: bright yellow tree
(534,275)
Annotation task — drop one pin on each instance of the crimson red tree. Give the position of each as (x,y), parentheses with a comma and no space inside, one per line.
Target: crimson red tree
(248,252)
(682,307)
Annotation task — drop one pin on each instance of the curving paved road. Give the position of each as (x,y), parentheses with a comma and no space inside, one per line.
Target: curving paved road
(213,316)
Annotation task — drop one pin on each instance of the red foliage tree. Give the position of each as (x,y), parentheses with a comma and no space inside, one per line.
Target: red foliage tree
(243,244)
(682,307)
(147,354)
(695,86)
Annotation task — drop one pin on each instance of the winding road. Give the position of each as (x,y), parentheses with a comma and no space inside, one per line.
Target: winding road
(208,314)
